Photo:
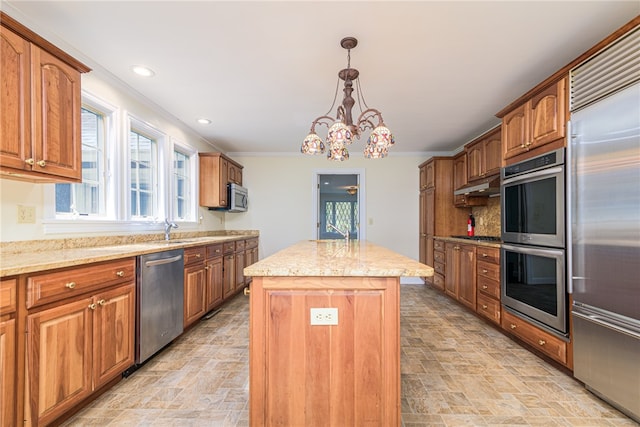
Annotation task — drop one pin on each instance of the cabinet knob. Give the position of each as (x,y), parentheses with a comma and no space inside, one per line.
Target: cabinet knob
(197,255)
(484,271)
(42,163)
(92,306)
(485,306)
(246,291)
(484,255)
(70,285)
(102,302)
(206,267)
(120,273)
(30,162)
(485,287)
(513,326)
(542,342)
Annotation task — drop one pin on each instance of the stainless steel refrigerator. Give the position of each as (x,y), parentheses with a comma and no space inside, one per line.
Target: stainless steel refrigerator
(604,211)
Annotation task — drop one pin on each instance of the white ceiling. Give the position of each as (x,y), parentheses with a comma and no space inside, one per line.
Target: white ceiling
(262,71)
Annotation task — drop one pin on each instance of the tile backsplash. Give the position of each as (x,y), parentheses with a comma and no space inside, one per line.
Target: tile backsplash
(488,218)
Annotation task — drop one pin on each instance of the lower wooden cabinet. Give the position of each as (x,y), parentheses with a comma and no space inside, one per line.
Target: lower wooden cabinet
(213,267)
(542,341)
(488,273)
(76,347)
(195,306)
(8,402)
(460,275)
(347,374)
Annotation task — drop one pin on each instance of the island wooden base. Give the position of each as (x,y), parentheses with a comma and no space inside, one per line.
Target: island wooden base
(319,375)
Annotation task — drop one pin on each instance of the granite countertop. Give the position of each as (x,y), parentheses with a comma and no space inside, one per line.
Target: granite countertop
(471,241)
(61,253)
(338,258)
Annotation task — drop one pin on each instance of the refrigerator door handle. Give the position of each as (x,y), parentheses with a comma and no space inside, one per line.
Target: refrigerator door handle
(568,184)
(605,322)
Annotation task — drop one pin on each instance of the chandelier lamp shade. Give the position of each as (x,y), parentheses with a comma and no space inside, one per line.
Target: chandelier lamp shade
(342,128)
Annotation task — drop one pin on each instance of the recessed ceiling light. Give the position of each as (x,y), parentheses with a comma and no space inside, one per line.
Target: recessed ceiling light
(143,71)
(204,121)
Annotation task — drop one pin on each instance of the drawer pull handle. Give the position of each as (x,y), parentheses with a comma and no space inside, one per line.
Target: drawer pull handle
(485,306)
(485,255)
(206,267)
(197,255)
(42,163)
(484,271)
(485,287)
(70,285)
(92,306)
(120,273)
(102,302)
(542,342)
(513,326)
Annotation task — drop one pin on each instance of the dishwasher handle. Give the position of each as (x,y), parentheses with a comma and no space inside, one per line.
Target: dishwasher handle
(163,261)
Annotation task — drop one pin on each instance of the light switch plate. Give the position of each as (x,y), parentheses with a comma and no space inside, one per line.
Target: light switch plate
(324,316)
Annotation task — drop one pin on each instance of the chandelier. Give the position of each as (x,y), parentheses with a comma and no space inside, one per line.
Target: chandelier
(342,129)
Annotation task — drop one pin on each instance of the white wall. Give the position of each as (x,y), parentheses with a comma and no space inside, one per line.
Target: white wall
(281,206)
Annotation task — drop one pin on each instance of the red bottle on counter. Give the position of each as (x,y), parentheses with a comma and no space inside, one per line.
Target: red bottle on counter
(471,226)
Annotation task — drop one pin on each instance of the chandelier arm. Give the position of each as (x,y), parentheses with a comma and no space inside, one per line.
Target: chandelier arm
(322,120)
(335,97)
(365,119)
(360,95)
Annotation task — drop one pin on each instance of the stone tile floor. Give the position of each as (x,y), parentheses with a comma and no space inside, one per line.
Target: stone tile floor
(456,371)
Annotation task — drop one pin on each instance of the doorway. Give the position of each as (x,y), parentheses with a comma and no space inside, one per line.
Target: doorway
(339,203)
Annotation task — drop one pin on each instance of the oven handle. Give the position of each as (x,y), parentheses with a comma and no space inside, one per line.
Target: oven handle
(532,251)
(532,175)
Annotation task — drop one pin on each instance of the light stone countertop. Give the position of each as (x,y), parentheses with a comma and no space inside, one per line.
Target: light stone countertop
(338,258)
(13,263)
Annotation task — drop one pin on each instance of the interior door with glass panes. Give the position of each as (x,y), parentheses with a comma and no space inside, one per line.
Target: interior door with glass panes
(338,206)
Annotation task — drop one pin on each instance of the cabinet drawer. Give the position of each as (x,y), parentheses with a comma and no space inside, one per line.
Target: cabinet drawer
(489,254)
(251,243)
(214,251)
(548,344)
(240,245)
(438,245)
(49,287)
(489,287)
(8,296)
(489,308)
(438,257)
(193,255)
(438,267)
(229,247)
(488,270)
(438,281)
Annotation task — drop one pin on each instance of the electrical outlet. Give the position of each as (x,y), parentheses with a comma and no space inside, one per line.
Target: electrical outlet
(26,214)
(324,316)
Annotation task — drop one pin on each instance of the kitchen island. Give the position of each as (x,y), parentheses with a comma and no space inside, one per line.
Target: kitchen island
(324,346)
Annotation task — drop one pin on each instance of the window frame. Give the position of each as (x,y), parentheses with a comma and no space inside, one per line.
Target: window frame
(192,156)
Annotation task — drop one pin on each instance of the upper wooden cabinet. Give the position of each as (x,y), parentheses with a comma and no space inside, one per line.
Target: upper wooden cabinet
(537,122)
(216,171)
(40,101)
(484,156)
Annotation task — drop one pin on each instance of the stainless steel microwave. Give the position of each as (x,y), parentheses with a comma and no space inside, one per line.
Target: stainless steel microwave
(238,197)
(533,202)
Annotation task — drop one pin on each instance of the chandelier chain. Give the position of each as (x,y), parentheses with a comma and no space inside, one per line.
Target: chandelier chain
(335,96)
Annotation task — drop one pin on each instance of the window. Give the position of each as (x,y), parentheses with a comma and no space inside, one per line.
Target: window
(181,186)
(87,198)
(344,215)
(143,175)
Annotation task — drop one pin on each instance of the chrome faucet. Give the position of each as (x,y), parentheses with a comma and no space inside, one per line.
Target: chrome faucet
(345,234)
(167,228)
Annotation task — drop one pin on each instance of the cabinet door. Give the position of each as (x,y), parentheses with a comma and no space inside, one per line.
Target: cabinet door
(451,269)
(15,145)
(430,175)
(493,154)
(194,293)
(423,178)
(228,275)
(214,283)
(114,331)
(56,97)
(475,161)
(239,280)
(422,227)
(223,181)
(467,276)
(7,372)
(548,115)
(59,359)
(514,132)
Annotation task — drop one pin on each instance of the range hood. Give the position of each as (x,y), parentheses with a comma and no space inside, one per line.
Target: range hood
(485,187)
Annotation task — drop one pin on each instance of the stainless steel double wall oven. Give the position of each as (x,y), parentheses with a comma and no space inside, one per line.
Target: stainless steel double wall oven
(533,282)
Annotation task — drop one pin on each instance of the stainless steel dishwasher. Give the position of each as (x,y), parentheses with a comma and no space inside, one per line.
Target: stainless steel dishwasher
(160,301)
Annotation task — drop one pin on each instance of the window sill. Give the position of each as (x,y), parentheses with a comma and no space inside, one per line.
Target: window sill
(87,225)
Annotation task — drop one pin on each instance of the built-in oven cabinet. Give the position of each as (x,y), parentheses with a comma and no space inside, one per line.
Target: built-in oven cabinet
(536,125)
